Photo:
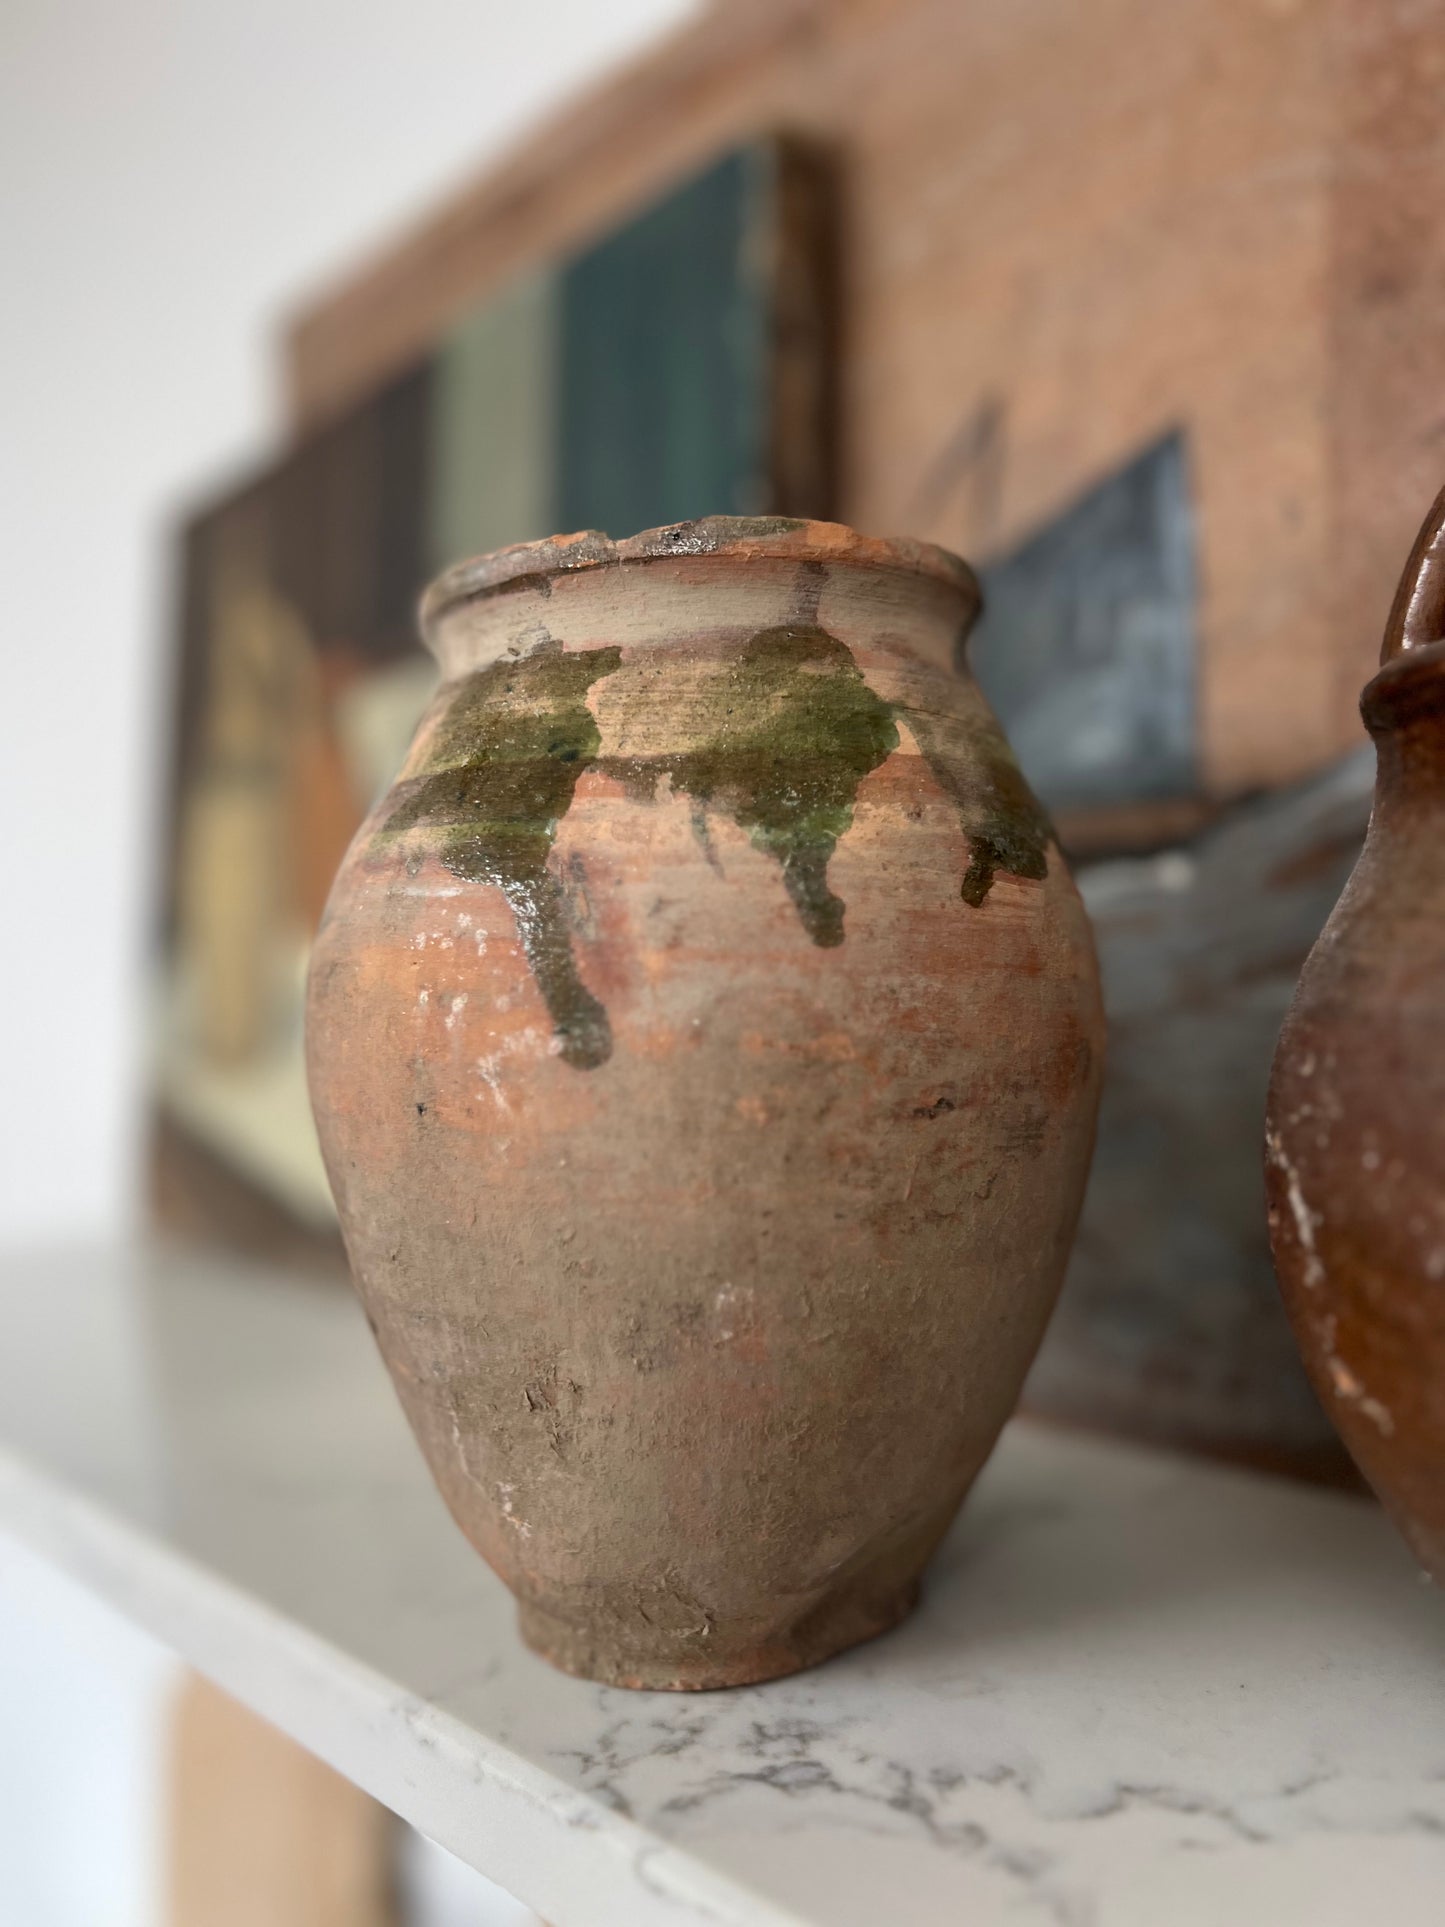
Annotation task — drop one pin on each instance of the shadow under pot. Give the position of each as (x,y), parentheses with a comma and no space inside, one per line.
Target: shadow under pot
(705,1042)
(1355,1135)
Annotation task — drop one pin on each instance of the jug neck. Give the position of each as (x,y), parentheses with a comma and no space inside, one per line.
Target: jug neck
(1404,711)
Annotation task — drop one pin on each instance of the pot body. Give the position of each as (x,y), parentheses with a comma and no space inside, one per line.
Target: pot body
(705,1040)
(1355,1133)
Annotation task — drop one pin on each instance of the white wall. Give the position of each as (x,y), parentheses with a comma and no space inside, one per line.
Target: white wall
(80,1755)
(172,177)
(173,174)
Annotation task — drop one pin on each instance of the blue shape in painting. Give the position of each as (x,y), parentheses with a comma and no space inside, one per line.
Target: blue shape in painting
(1087,645)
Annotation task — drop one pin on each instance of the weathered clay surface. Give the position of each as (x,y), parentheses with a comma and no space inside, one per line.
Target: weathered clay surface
(1355,1143)
(705,1042)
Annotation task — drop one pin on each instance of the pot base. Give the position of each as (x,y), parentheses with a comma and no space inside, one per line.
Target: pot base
(848,1619)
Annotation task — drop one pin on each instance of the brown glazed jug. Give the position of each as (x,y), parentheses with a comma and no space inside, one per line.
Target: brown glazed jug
(705,1043)
(1355,1135)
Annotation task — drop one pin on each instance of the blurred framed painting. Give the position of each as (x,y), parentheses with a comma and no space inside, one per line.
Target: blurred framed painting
(679,366)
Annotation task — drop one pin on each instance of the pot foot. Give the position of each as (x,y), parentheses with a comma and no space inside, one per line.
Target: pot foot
(672,1662)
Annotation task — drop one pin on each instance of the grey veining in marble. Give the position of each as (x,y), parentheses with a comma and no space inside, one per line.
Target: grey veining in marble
(1137,1690)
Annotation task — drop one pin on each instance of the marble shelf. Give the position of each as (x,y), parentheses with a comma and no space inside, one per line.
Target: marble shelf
(1138,1691)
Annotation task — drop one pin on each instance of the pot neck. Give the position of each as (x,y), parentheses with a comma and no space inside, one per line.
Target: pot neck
(1404,710)
(1404,706)
(725,578)
(671,604)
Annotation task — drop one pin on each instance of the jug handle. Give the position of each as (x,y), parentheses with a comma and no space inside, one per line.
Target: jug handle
(1417,615)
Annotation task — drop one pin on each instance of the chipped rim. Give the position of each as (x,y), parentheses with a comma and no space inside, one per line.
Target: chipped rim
(747,537)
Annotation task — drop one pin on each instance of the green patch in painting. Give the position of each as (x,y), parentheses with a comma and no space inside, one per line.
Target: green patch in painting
(499,776)
(785,738)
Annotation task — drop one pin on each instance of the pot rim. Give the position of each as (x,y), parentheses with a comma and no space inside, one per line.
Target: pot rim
(528,565)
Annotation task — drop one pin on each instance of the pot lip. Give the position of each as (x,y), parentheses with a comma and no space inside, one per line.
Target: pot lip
(1409,685)
(745,537)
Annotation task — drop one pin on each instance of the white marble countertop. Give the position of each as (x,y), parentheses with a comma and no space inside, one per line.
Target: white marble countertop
(1138,1690)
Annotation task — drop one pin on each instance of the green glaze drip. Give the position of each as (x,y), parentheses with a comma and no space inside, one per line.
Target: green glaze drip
(1006,825)
(790,731)
(781,738)
(499,776)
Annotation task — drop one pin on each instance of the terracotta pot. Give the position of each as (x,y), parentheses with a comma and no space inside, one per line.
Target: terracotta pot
(705,1043)
(1355,1136)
